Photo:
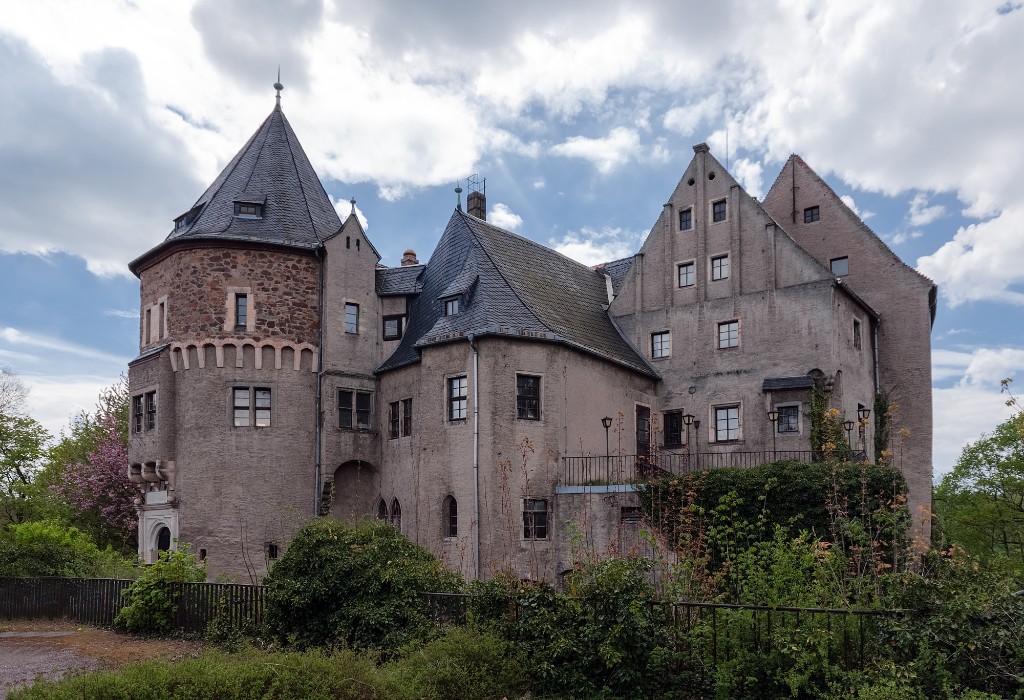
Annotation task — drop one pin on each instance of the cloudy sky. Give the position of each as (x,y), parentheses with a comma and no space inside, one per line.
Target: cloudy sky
(116,114)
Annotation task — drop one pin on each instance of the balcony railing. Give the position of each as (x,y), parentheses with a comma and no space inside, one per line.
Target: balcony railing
(626,469)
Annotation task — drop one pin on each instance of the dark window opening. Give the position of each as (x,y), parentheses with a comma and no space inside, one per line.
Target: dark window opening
(396,514)
(450,517)
(163,540)
(630,515)
(382,509)
(718,211)
(840,266)
(527,397)
(856,334)
(202,554)
(272,550)
(137,414)
(354,409)
(789,419)
(535,519)
(686,219)
(811,214)
(394,419)
(673,428)
(406,417)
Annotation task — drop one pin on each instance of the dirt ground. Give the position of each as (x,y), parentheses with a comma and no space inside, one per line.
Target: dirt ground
(53,648)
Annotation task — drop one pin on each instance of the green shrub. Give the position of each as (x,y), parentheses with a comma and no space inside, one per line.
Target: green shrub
(51,548)
(150,603)
(357,586)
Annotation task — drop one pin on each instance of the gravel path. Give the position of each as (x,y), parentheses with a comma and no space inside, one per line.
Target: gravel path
(27,656)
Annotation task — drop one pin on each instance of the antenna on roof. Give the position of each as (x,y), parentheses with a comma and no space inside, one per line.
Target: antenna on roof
(458,195)
(278,86)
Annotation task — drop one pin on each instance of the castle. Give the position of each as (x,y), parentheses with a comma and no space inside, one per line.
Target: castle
(500,397)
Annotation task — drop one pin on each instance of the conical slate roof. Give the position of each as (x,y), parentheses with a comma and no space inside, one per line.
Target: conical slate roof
(509,285)
(273,171)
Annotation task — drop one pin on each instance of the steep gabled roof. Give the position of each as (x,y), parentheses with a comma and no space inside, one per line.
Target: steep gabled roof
(270,170)
(398,281)
(510,285)
(617,270)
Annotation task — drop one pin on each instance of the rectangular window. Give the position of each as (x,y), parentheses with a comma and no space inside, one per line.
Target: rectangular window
(457,392)
(262,407)
(718,210)
(393,327)
(535,519)
(272,551)
(661,344)
(247,210)
(673,428)
(527,397)
(394,419)
(686,275)
(137,414)
(720,267)
(406,417)
(856,334)
(451,307)
(354,409)
(840,266)
(728,334)
(789,419)
(643,431)
(686,219)
(351,318)
(727,423)
(240,402)
(811,214)
(161,311)
(147,326)
(151,410)
(630,515)
(450,516)
(241,310)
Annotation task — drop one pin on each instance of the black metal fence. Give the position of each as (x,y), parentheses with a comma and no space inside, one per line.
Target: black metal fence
(98,601)
(626,469)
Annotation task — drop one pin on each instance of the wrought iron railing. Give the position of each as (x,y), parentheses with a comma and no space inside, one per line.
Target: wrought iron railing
(627,469)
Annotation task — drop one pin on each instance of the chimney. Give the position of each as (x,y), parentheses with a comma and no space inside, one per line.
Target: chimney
(476,205)
(409,258)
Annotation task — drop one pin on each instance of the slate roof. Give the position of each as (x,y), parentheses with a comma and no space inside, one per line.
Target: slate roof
(510,285)
(271,169)
(780,383)
(398,281)
(617,270)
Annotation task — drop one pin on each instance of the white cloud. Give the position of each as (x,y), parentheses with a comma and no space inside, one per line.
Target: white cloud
(920,214)
(54,401)
(592,247)
(960,415)
(539,183)
(344,207)
(503,217)
(848,201)
(33,340)
(122,313)
(750,175)
(684,120)
(990,366)
(947,364)
(618,148)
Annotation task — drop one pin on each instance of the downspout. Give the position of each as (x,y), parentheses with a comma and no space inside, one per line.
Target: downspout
(874,348)
(317,430)
(476,458)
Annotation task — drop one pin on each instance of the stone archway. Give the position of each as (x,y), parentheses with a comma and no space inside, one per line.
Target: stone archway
(355,491)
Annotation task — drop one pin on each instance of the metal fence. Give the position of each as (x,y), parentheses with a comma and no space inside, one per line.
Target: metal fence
(626,469)
(98,601)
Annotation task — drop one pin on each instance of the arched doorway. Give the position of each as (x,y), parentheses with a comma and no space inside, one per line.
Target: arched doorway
(355,491)
(163,539)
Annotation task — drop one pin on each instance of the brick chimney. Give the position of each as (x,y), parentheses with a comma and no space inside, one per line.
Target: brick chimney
(476,205)
(409,258)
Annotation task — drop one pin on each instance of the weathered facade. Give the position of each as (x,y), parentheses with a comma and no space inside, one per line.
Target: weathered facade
(285,374)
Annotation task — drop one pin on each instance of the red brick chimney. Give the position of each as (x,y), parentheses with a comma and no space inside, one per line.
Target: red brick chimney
(476,205)
(409,258)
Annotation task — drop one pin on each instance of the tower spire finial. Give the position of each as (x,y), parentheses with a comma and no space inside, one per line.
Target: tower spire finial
(458,195)
(353,203)
(278,86)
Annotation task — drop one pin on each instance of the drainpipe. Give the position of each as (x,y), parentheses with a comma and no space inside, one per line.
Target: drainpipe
(874,346)
(476,458)
(317,429)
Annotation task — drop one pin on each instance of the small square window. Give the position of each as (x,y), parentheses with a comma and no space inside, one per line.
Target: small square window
(719,268)
(686,219)
(661,344)
(351,318)
(811,214)
(840,266)
(535,519)
(789,419)
(718,211)
(527,397)
(457,398)
(393,327)
(727,423)
(451,307)
(687,276)
(728,334)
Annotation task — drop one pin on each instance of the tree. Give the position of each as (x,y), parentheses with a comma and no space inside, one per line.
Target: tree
(22,442)
(980,504)
(13,393)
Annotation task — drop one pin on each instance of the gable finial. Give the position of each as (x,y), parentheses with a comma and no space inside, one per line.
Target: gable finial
(278,86)
(353,203)
(458,195)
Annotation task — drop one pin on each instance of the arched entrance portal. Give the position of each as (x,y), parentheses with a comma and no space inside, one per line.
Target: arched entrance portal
(163,539)
(355,491)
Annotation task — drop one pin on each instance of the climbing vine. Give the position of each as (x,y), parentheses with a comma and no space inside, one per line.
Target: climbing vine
(828,437)
(883,425)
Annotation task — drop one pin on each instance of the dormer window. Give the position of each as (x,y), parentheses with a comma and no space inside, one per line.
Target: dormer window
(186,219)
(451,306)
(248,210)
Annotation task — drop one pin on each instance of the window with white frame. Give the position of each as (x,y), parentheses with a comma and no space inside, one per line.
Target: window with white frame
(451,306)
(687,274)
(727,423)
(728,334)
(351,318)
(661,344)
(457,398)
(719,268)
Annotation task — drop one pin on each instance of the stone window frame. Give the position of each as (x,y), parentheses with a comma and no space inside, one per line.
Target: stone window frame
(449,518)
(727,406)
(686,219)
(727,267)
(399,319)
(354,329)
(254,412)
(353,411)
(812,214)
(523,400)
(536,525)
(798,405)
(718,334)
(661,344)
(230,324)
(724,201)
(151,331)
(692,264)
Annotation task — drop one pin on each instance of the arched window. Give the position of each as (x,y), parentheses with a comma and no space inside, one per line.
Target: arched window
(396,514)
(382,509)
(450,517)
(163,539)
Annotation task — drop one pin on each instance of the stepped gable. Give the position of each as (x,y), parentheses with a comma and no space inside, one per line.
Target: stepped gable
(271,170)
(510,285)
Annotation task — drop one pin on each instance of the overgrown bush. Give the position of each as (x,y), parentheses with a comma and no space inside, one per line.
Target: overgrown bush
(353,585)
(50,548)
(150,602)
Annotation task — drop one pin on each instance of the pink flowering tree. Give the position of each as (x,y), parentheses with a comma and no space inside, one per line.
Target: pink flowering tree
(99,490)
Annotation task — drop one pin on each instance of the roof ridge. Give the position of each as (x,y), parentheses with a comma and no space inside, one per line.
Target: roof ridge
(291,152)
